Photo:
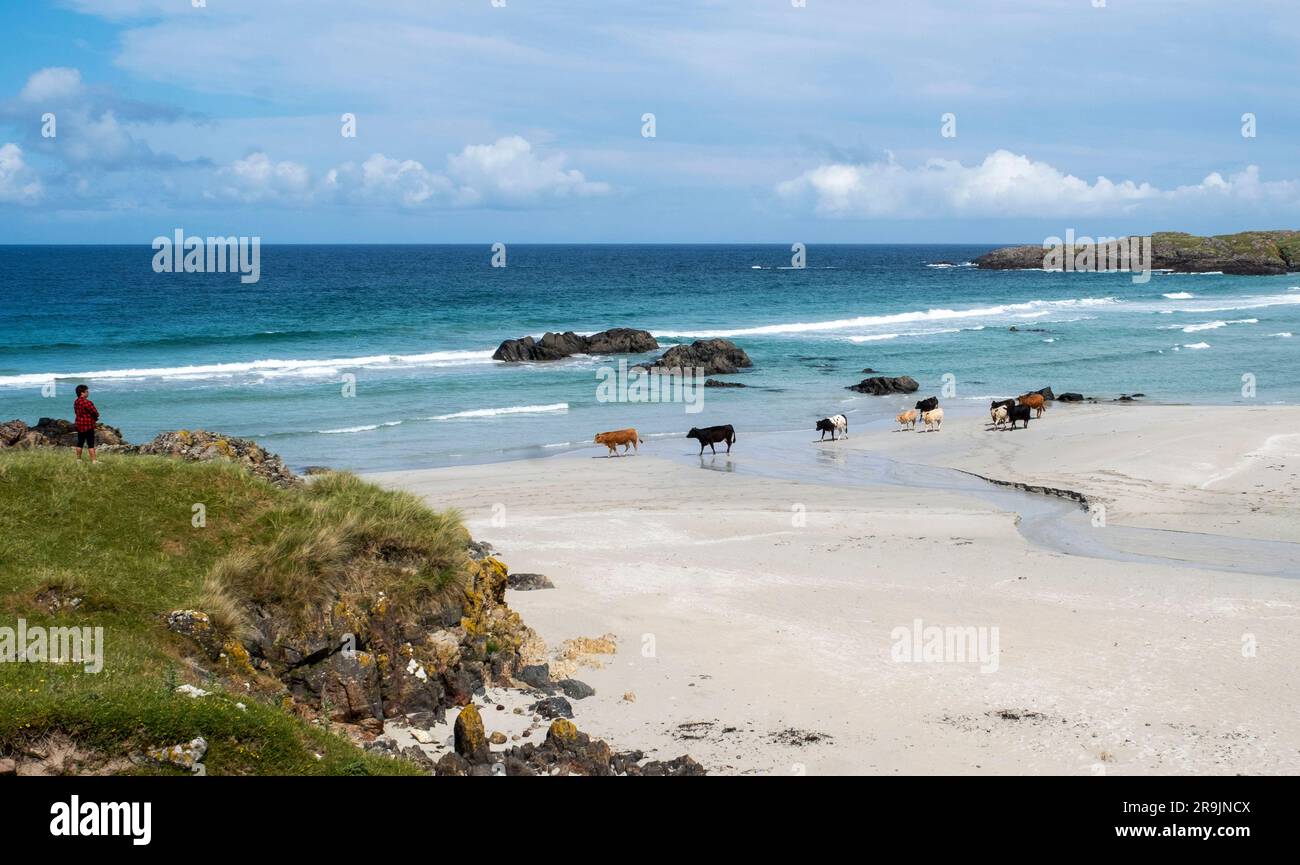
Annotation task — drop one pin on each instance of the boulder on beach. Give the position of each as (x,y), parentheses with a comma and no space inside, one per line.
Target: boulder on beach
(529,582)
(1070,396)
(557,346)
(714,382)
(1045,393)
(881,385)
(713,356)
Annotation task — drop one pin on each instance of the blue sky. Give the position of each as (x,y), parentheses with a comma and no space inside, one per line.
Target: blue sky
(523,123)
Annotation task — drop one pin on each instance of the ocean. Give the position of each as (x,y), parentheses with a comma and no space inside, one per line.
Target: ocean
(379,357)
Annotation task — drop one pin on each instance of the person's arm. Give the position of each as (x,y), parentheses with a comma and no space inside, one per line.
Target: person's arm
(94,412)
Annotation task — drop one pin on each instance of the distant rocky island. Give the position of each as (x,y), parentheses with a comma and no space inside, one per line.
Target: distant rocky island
(1250,253)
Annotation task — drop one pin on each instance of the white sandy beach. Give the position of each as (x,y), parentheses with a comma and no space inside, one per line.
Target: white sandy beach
(753,610)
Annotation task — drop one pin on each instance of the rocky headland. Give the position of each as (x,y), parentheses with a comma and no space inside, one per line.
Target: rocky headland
(1250,253)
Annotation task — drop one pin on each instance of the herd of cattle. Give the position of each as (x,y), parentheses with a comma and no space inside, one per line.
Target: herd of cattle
(1001,413)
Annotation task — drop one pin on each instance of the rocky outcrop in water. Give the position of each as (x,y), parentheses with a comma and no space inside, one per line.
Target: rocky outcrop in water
(1250,253)
(713,356)
(557,346)
(881,385)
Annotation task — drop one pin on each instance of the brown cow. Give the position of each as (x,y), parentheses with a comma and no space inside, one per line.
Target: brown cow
(1034,401)
(625,437)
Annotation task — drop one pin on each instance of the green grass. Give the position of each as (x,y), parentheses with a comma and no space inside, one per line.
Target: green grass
(120,536)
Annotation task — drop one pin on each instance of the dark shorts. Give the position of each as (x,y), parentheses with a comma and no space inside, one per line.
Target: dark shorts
(86,439)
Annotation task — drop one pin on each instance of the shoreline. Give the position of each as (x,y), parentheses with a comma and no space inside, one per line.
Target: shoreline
(767,601)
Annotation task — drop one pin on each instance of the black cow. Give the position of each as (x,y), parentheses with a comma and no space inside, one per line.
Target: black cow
(993,406)
(712,435)
(930,403)
(1019,412)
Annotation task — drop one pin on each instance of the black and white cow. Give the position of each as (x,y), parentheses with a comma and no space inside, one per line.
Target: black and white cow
(833,424)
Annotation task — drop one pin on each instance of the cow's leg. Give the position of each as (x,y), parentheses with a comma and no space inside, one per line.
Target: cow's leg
(712,448)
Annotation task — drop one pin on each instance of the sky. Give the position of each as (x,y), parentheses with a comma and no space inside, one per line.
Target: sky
(478,121)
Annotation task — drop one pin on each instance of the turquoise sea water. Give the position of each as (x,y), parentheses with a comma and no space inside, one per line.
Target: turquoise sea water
(416,327)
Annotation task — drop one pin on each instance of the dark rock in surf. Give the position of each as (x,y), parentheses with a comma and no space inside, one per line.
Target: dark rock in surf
(713,356)
(557,346)
(882,385)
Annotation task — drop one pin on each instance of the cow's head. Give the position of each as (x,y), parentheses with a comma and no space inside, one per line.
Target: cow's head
(694,433)
(600,438)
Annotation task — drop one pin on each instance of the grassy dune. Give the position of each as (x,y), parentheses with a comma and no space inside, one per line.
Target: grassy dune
(121,537)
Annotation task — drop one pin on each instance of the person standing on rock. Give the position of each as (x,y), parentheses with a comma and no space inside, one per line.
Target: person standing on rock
(87,416)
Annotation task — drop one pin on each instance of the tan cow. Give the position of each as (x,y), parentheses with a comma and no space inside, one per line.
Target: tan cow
(625,437)
(1035,401)
(907,419)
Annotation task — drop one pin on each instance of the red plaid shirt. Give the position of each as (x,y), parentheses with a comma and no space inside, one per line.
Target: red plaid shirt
(86,413)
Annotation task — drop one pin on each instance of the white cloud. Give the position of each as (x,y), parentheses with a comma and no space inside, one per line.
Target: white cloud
(506,173)
(18,183)
(257,178)
(381,179)
(54,83)
(1004,185)
(94,127)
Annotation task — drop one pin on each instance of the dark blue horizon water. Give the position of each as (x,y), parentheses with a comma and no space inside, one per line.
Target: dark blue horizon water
(416,326)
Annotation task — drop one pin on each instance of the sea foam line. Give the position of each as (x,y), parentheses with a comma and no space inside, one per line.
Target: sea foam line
(895,318)
(493,412)
(269,367)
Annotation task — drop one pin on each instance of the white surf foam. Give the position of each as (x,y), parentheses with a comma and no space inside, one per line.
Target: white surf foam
(1212,325)
(1030,307)
(1250,302)
(1179,295)
(514,409)
(357,429)
(1196,345)
(267,367)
